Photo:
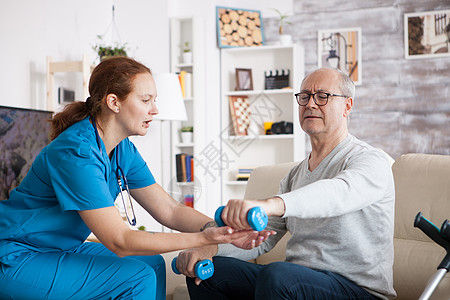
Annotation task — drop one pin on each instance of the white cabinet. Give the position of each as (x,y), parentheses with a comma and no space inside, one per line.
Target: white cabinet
(265,105)
(189,33)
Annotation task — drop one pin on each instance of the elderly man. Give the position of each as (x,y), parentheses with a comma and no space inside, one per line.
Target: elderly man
(338,204)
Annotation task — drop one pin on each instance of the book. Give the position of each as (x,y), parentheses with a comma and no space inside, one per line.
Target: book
(182,76)
(188,85)
(179,168)
(188,159)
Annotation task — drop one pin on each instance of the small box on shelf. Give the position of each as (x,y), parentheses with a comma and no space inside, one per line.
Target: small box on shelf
(276,79)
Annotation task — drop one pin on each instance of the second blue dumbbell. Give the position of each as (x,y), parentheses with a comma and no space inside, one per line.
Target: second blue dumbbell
(203,269)
(256,217)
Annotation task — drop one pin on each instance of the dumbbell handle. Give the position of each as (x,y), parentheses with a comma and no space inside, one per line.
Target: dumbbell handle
(256,217)
(203,269)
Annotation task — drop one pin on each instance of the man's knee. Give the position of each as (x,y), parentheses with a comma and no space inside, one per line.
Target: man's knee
(274,272)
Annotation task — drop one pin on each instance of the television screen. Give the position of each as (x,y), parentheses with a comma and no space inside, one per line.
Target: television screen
(23,134)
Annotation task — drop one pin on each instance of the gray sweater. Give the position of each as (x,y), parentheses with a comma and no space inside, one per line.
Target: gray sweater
(341,217)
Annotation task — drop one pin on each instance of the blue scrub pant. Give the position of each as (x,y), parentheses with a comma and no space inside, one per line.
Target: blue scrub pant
(90,271)
(235,279)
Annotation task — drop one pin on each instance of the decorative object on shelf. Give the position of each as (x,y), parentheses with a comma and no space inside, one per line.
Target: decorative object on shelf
(114,48)
(187,54)
(240,114)
(239,27)
(276,79)
(268,128)
(341,49)
(282,127)
(285,39)
(427,34)
(187,134)
(244,80)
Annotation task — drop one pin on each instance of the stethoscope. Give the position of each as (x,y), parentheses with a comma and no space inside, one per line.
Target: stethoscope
(121,179)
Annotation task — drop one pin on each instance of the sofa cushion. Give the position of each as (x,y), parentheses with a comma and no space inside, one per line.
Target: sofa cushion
(422,183)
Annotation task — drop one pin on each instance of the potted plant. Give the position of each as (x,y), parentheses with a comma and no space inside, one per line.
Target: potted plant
(186,134)
(104,51)
(187,54)
(285,39)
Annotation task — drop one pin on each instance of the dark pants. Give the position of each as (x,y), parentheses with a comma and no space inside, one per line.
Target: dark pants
(236,279)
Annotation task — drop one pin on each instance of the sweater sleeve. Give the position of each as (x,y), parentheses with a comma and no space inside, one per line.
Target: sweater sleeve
(362,181)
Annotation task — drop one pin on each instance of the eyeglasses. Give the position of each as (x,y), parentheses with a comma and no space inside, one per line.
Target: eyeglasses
(320,98)
(126,199)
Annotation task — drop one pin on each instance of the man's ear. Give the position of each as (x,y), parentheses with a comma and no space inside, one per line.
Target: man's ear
(348,107)
(113,102)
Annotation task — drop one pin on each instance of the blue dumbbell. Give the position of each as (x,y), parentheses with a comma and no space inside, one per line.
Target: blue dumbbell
(256,217)
(203,269)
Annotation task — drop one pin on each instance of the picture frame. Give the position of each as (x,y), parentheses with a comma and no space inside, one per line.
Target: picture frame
(341,49)
(240,114)
(239,27)
(427,34)
(244,79)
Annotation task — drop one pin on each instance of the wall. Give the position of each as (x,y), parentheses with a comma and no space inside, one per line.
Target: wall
(402,105)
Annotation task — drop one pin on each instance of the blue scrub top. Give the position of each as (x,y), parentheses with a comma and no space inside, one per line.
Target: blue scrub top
(70,174)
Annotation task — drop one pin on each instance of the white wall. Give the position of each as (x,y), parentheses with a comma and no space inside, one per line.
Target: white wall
(65,30)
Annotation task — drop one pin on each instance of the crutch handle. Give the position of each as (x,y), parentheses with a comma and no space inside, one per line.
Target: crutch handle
(445,230)
(430,230)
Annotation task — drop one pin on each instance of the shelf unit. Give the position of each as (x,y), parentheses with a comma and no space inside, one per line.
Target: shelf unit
(189,29)
(274,105)
(83,66)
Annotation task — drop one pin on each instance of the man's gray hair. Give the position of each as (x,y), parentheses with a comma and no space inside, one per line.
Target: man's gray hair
(346,85)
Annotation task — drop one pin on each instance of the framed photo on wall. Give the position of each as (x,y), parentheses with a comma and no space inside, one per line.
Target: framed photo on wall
(427,34)
(341,49)
(239,27)
(244,80)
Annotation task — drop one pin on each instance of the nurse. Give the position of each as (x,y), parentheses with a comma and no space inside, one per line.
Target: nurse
(69,192)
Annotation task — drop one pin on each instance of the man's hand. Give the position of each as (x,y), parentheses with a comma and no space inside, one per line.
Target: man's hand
(235,212)
(187,259)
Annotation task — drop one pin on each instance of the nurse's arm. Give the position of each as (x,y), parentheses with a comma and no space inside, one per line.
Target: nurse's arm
(158,203)
(109,227)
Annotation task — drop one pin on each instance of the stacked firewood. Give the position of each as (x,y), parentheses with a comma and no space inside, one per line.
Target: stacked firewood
(239,27)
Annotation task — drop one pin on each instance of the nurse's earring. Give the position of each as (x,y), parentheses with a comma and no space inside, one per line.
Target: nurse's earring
(116,110)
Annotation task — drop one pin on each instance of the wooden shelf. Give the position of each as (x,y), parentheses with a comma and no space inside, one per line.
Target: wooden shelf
(236,183)
(83,66)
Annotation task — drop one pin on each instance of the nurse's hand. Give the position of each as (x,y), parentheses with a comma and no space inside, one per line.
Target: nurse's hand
(244,239)
(224,235)
(253,239)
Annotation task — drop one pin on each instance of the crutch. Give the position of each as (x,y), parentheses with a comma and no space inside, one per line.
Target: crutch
(441,237)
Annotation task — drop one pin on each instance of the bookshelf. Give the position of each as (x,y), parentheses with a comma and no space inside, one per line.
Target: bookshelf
(189,30)
(265,105)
